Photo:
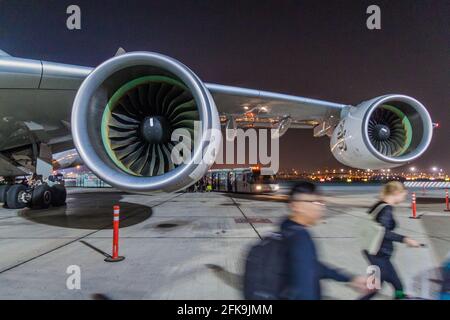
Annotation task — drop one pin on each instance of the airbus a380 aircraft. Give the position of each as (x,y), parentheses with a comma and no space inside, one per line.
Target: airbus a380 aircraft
(119,116)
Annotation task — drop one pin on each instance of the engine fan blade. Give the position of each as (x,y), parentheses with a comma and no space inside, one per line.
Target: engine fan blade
(139,164)
(150,162)
(167,157)
(163,90)
(124,118)
(133,156)
(160,158)
(178,101)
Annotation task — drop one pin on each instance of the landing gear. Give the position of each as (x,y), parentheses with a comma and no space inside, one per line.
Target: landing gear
(42,189)
(36,196)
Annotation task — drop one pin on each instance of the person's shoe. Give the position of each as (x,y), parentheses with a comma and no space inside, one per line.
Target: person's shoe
(399,295)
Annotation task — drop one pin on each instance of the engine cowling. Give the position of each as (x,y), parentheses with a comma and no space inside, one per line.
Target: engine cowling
(124,115)
(384,132)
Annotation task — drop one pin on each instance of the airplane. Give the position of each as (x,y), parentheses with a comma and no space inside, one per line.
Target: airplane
(120,114)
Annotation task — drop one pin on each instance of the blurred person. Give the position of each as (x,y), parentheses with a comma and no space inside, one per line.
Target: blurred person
(201,185)
(291,257)
(392,194)
(209,185)
(445,288)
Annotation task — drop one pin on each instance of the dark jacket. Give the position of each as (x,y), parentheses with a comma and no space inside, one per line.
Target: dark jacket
(304,270)
(386,218)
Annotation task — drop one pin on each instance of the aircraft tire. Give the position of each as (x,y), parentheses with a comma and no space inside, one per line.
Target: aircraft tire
(12,197)
(41,197)
(3,192)
(59,195)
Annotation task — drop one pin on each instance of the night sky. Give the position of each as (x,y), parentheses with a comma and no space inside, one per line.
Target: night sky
(319,49)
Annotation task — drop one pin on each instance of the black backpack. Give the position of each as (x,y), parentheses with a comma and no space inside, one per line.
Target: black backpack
(265,269)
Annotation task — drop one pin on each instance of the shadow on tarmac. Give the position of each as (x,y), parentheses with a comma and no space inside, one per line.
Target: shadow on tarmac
(233,280)
(259,197)
(168,225)
(89,211)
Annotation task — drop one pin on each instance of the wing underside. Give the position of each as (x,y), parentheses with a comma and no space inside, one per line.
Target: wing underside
(255,108)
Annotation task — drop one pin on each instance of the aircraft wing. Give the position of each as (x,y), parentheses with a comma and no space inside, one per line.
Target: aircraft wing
(37,96)
(36,99)
(252,108)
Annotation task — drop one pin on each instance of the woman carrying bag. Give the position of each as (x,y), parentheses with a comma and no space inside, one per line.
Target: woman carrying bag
(380,247)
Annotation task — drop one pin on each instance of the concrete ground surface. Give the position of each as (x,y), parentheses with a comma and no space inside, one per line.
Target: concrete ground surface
(189,245)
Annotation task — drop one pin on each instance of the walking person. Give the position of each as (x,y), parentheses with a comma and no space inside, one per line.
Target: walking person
(287,266)
(392,194)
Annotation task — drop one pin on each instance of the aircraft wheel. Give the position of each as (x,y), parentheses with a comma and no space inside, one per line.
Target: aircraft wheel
(41,197)
(59,195)
(3,192)
(13,197)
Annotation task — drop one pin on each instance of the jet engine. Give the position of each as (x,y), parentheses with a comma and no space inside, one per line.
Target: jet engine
(384,132)
(126,114)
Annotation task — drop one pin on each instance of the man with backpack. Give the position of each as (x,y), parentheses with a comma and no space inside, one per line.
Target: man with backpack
(286,265)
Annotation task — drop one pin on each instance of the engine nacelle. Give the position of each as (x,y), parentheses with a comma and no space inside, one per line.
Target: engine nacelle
(125,113)
(384,132)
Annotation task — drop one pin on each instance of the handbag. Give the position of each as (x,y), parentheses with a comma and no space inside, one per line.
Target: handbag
(371,233)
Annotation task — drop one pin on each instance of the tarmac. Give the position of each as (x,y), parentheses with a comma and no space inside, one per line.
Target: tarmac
(191,245)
